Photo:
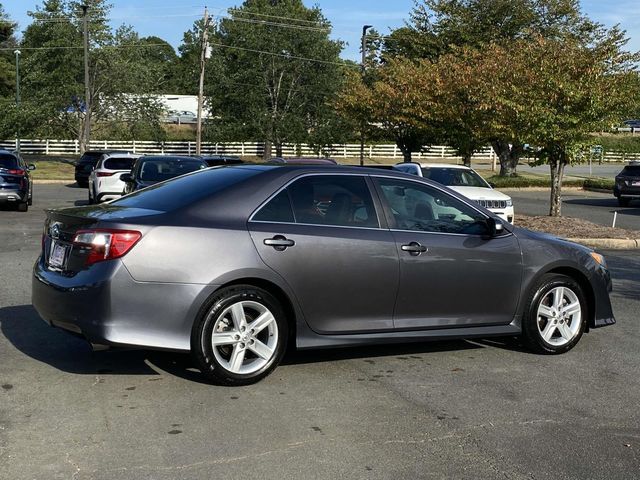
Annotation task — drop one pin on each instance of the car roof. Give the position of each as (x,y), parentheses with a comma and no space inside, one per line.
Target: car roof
(8,152)
(171,157)
(303,161)
(107,156)
(443,165)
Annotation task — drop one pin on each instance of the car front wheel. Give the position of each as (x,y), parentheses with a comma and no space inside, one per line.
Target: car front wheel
(555,315)
(240,337)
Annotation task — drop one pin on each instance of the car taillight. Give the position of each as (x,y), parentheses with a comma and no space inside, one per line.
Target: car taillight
(104,174)
(15,171)
(106,244)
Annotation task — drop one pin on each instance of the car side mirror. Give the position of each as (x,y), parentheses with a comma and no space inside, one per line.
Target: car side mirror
(495,227)
(126,178)
(31,167)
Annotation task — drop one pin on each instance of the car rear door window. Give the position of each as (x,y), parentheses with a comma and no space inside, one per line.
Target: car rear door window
(277,210)
(336,200)
(418,207)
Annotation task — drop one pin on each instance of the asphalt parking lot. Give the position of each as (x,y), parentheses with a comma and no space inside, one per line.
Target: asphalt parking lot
(481,409)
(593,206)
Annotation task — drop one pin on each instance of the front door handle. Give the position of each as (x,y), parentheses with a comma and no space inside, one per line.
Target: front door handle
(279,242)
(414,248)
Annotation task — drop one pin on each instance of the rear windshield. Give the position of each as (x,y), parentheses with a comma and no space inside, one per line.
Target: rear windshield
(8,161)
(160,170)
(115,163)
(454,177)
(631,170)
(186,190)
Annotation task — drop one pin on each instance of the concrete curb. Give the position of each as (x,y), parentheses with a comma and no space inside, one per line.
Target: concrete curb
(52,182)
(608,243)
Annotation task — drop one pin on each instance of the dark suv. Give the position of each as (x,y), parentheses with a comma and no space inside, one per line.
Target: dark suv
(627,185)
(16,186)
(87,163)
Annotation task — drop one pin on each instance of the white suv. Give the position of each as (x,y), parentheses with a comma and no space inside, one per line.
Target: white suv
(104,181)
(465,181)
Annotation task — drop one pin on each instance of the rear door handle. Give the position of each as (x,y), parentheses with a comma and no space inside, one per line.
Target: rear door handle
(279,242)
(414,248)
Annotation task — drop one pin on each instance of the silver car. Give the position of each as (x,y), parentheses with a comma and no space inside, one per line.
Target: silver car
(234,263)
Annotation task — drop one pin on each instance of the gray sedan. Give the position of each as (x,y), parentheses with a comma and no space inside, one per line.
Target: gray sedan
(234,263)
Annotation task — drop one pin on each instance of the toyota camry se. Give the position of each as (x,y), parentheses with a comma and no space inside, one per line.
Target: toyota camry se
(234,263)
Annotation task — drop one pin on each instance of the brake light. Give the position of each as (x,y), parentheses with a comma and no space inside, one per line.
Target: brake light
(104,174)
(15,171)
(106,244)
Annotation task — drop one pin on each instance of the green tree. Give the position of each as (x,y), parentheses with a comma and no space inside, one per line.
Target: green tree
(7,59)
(121,74)
(440,27)
(268,76)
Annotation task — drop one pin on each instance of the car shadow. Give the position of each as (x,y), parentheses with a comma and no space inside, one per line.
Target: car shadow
(29,334)
(75,186)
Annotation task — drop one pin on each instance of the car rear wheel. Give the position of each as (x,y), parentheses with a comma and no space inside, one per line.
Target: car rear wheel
(240,337)
(555,315)
(23,206)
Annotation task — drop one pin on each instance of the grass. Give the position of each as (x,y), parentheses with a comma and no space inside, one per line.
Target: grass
(51,168)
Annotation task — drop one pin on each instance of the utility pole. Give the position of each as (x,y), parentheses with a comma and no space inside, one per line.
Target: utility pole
(363,66)
(204,54)
(86,127)
(17,53)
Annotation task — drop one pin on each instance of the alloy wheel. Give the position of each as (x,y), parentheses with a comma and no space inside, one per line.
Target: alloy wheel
(559,316)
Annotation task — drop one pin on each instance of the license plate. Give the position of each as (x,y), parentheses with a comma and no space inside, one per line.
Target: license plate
(635,184)
(58,254)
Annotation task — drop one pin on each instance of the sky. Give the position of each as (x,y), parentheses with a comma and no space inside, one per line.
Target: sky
(168,19)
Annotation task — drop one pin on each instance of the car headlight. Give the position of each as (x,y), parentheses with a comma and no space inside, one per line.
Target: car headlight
(599,259)
(509,203)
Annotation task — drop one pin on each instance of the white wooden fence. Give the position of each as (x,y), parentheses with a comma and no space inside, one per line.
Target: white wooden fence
(253,149)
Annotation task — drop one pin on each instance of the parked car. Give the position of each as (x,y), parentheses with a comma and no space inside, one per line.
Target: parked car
(627,186)
(149,170)
(87,163)
(303,161)
(180,117)
(466,181)
(16,186)
(232,263)
(104,180)
(631,123)
(218,160)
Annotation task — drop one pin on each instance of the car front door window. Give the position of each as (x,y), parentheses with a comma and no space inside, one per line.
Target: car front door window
(418,207)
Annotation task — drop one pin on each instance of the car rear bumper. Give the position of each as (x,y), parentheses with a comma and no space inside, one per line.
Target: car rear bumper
(106,196)
(106,306)
(13,196)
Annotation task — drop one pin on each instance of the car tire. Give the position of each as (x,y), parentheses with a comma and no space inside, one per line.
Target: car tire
(555,315)
(624,202)
(244,352)
(23,206)
(90,198)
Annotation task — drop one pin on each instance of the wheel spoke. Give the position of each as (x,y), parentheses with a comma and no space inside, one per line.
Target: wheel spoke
(224,338)
(237,358)
(262,350)
(262,322)
(558,297)
(237,314)
(548,331)
(572,308)
(565,331)
(545,311)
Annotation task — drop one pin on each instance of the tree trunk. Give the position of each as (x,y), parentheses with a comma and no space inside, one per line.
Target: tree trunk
(466,158)
(279,149)
(266,155)
(557,172)
(407,156)
(508,156)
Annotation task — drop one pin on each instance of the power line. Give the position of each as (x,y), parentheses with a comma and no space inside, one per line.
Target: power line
(72,47)
(235,11)
(284,55)
(275,24)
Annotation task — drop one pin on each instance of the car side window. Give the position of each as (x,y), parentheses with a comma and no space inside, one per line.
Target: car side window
(337,200)
(278,209)
(423,208)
